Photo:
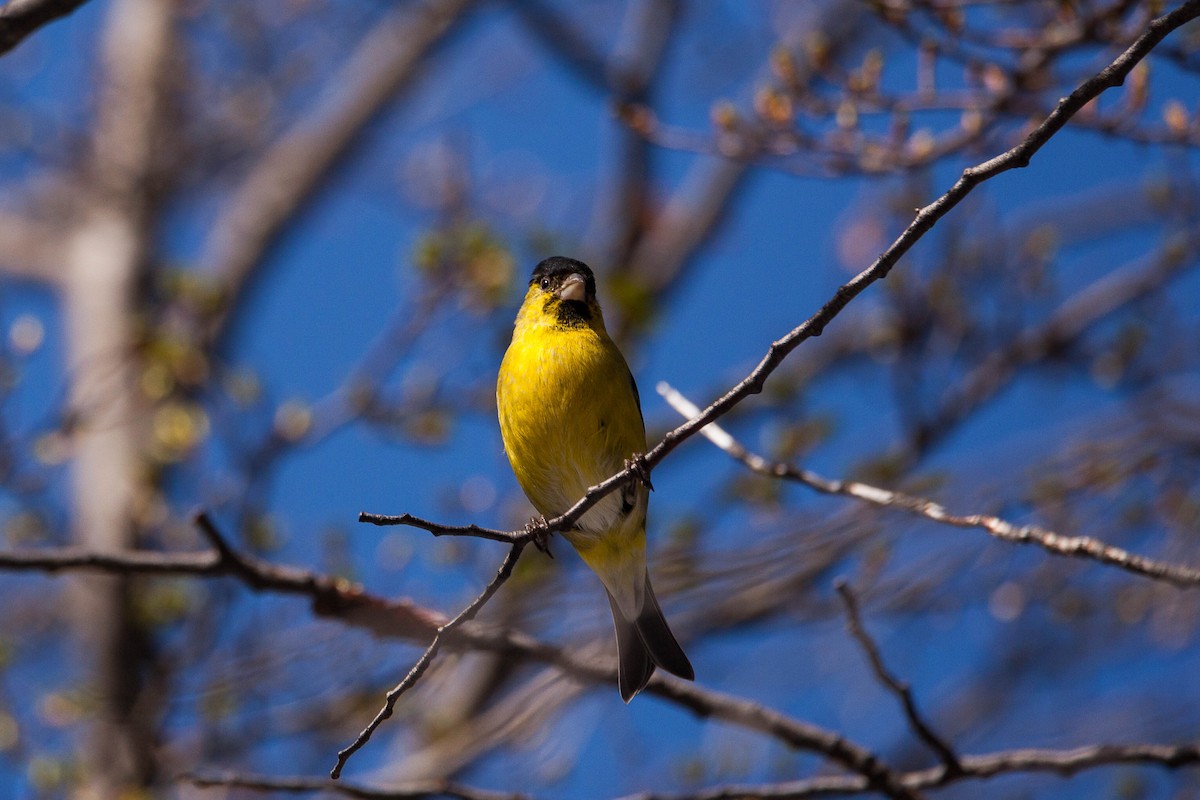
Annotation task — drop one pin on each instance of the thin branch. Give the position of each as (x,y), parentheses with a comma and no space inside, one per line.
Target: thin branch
(1061,762)
(427,657)
(19,18)
(63,559)
(331,597)
(1184,577)
(437,529)
(899,688)
(705,703)
(300,785)
(973,768)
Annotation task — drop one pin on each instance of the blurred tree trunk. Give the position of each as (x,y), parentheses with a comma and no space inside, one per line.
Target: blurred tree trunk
(106,261)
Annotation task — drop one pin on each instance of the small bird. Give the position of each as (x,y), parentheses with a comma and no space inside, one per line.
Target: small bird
(570,416)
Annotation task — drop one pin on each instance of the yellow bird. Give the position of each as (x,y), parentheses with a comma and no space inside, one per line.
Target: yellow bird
(570,417)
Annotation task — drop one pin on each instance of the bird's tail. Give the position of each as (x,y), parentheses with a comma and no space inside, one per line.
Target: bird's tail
(646,642)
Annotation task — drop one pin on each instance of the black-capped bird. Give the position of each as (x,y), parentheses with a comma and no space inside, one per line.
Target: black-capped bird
(570,417)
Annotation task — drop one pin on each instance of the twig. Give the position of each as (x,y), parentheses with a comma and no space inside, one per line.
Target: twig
(61,559)
(19,18)
(427,657)
(331,597)
(1184,577)
(1061,762)
(301,785)
(875,773)
(901,689)
(1007,762)
(509,537)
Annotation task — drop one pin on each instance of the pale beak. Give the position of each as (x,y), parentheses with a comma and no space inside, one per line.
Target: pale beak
(573,288)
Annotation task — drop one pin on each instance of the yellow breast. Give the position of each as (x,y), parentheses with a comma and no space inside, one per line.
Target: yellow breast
(569,418)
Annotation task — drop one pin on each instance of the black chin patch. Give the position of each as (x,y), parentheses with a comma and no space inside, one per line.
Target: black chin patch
(573,313)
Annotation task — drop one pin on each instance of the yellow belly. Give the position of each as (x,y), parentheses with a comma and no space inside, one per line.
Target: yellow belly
(570,419)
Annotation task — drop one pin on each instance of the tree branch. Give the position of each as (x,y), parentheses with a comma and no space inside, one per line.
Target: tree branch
(418,669)
(437,529)
(902,690)
(331,597)
(299,785)
(1184,577)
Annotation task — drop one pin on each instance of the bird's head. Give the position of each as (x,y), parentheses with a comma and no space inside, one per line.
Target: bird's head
(562,291)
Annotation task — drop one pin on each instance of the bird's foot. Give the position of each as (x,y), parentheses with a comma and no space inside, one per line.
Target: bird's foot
(637,463)
(538,531)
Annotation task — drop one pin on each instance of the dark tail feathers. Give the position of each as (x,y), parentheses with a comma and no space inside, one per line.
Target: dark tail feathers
(644,643)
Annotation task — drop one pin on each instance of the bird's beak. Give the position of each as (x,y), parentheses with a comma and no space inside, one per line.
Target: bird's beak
(573,288)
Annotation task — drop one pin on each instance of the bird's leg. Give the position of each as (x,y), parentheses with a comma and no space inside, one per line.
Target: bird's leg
(637,463)
(539,533)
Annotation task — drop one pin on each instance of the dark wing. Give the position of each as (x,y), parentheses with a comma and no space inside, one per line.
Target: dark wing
(637,398)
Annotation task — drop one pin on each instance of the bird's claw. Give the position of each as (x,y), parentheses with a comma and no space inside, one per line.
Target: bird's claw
(539,533)
(637,463)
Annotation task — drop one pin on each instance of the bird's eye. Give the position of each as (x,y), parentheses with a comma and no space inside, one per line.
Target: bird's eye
(545,284)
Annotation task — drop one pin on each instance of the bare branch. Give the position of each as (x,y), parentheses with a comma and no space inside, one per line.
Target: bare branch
(418,669)
(287,175)
(902,690)
(19,18)
(331,597)
(1007,762)
(1061,762)
(1183,577)
(64,559)
(437,529)
(298,785)
(834,746)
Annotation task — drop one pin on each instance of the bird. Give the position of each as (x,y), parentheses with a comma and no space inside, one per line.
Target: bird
(570,417)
